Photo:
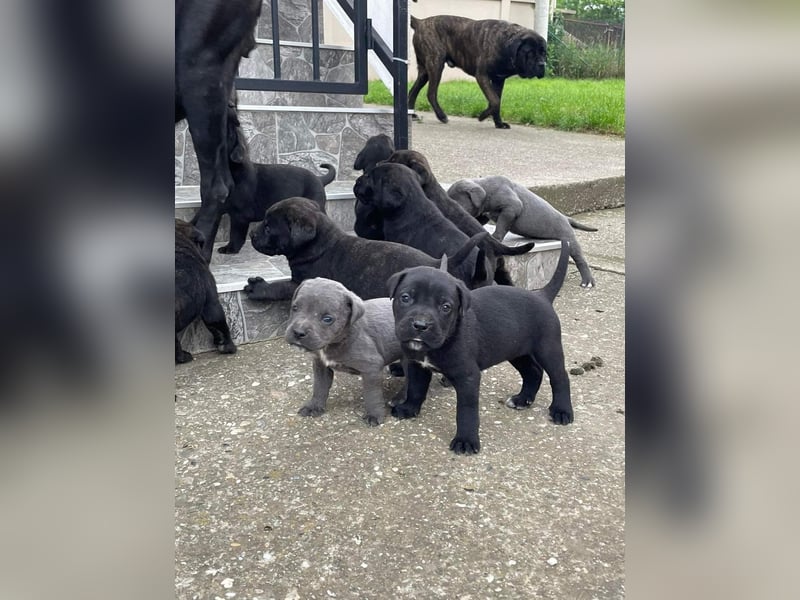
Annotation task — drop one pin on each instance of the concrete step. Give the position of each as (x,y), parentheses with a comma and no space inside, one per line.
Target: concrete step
(305,136)
(258,321)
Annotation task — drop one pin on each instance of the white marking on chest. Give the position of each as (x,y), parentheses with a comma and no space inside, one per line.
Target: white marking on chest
(428,364)
(326,360)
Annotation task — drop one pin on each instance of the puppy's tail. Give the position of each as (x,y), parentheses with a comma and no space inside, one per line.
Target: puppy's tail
(414,21)
(557,280)
(495,248)
(576,225)
(329,176)
(465,250)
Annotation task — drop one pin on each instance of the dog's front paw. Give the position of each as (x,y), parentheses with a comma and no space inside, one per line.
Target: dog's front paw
(310,411)
(588,284)
(518,402)
(229,348)
(465,445)
(256,288)
(502,125)
(373,420)
(227,249)
(561,415)
(405,411)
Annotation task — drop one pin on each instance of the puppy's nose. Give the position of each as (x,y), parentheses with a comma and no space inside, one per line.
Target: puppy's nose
(419,325)
(299,333)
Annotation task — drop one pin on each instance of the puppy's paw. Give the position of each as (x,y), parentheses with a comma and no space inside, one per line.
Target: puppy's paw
(256,288)
(228,348)
(373,420)
(465,445)
(587,284)
(310,411)
(561,415)
(405,411)
(227,249)
(518,402)
(183,357)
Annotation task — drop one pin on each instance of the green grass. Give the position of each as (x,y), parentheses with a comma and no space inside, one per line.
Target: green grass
(588,105)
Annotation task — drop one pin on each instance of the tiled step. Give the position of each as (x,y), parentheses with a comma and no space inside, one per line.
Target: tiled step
(257,321)
(305,136)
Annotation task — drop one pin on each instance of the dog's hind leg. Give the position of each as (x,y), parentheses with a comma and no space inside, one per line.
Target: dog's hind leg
(551,357)
(181,355)
(434,77)
(373,398)
(493,90)
(214,318)
(422,80)
(531,373)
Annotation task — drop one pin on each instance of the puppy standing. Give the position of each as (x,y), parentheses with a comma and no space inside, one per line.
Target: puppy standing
(517,209)
(196,292)
(444,326)
(345,333)
(369,223)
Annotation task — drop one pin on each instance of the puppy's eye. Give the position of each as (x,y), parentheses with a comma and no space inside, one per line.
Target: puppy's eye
(446,307)
(327,319)
(405,298)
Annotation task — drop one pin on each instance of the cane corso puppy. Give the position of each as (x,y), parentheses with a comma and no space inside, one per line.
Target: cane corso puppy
(315,246)
(378,148)
(444,326)
(489,50)
(344,333)
(466,222)
(211,37)
(259,186)
(409,217)
(517,209)
(196,292)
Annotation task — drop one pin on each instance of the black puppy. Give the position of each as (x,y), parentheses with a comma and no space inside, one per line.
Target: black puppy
(451,209)
(443,326)
(409,217)
(259,186)
(211,36)
(196,292)
(369,223)
(315,246)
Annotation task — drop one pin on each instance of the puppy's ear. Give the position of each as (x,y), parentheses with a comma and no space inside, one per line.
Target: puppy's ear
(476,194)
(464,298)
(357,308)
(443,264)
(421,170)
(302,232)
(297,291)
(237,147)
(359,163)
(394,281)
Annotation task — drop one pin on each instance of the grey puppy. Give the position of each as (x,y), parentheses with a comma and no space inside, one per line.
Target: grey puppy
(344,333)
(515,208)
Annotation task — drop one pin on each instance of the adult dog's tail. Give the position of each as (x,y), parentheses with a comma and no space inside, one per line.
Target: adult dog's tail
(576,225)
(329,176)
(557,280)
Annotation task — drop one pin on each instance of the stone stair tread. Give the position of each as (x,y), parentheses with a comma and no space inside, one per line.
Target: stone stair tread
(232,270)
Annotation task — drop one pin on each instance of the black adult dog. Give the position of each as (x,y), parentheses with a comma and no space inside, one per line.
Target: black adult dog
(489,50)
(451,209)
(369,224)
(196,292)
(442,325)
(211,37)
(409,217)
(315,246)
(259,186)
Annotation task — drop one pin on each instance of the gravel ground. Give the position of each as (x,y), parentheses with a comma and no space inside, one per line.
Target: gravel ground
(273,505)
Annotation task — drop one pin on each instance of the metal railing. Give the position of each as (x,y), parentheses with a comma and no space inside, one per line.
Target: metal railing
(364,39)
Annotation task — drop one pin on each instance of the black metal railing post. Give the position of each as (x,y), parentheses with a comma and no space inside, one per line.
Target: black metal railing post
(276,40)
(315,39)
(400,73)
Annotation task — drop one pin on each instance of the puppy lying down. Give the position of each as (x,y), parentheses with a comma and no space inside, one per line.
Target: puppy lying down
(344,333)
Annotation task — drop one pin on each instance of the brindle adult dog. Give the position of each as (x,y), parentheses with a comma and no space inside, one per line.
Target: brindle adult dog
(489,50)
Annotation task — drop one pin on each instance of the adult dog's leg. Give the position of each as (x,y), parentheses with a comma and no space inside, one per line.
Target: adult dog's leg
(422,79)
(237,237)
(434,78)
(493,90)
